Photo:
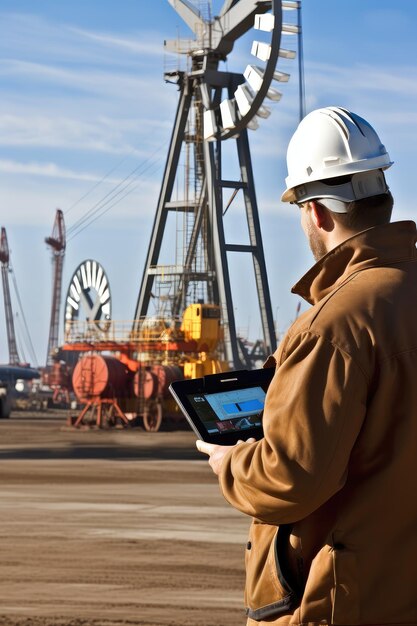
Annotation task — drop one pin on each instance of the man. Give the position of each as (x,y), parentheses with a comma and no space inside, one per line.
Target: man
(331,486)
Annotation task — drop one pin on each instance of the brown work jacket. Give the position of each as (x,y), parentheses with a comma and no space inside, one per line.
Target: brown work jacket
(332,485)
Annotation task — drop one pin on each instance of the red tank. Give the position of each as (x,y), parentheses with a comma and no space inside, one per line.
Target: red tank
(154,381)
(145,384)
(165,375)
(97,376)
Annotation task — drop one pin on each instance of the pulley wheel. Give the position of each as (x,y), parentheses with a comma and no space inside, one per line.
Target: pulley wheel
(152,416)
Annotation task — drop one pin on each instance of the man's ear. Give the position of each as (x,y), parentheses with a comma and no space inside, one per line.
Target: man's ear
(320,216)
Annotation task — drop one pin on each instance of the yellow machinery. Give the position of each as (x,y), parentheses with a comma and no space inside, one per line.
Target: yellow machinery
(201,324)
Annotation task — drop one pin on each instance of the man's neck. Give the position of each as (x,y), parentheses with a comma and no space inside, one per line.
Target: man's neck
(337,236)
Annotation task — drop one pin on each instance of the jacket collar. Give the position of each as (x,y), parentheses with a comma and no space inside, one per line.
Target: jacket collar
(380,245)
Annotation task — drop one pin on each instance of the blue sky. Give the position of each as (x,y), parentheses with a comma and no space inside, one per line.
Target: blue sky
(83,104)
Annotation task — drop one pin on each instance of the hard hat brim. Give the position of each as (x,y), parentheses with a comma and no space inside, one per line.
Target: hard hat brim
(360,185)
(288,195)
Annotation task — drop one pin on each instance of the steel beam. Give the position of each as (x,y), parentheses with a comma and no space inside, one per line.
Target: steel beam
(171,166)
(255,238)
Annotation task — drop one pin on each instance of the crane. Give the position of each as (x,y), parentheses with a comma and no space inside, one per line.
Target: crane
(57,243)
(11,337)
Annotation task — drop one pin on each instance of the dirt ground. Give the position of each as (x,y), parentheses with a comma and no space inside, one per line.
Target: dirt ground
(113,528)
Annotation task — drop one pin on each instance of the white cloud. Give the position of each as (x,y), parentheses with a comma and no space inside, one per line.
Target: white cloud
(361,78)
(142,44)
(103,134)
(48,169)
(98,82)
(34,201)
(41,39)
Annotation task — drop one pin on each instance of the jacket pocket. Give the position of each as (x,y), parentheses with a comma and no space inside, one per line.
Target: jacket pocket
(346,588)
(331,593)
(271,589)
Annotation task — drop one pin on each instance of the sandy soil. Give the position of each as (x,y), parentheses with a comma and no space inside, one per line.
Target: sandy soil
(113,528)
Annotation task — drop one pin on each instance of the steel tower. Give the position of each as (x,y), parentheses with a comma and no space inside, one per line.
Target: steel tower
(11,337)
(204,120)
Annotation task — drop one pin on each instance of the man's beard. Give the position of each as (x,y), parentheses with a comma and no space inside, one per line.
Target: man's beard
(316,244)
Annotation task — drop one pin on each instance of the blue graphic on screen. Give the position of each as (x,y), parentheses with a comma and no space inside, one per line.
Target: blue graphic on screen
(241,403)
(235,409)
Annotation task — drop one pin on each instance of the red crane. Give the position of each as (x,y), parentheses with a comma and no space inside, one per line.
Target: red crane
(57,242)
(11,337)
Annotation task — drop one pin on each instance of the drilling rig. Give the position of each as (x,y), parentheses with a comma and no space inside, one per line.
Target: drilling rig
(184,323)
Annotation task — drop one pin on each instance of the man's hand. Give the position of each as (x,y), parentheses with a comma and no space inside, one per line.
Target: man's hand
(217,453)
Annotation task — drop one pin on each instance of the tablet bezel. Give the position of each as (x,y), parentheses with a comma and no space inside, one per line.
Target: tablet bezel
(217,383)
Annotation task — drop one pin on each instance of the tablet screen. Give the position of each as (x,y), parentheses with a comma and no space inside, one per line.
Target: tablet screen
(223,408)
(228,411)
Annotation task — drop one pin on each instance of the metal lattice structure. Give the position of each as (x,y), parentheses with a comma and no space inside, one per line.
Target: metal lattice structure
(57,243)
(214,106)
(11,336)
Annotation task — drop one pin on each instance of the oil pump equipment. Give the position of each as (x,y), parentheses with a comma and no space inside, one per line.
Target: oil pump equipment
(124,375)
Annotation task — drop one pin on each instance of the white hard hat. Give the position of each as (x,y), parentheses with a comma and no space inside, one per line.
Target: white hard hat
(328,144)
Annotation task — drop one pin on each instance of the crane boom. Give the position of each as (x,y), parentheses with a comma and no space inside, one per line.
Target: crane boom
(57,242)
(11,337)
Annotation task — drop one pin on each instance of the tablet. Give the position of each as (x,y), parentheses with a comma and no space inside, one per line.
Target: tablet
(223,408)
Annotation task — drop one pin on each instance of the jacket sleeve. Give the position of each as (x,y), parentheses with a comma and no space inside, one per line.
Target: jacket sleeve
(314,410)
